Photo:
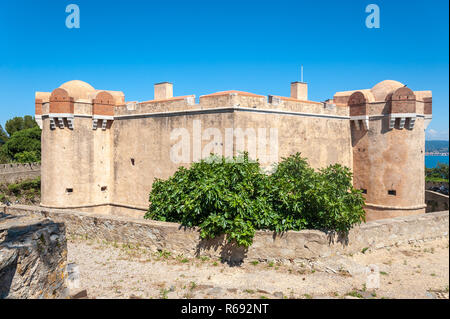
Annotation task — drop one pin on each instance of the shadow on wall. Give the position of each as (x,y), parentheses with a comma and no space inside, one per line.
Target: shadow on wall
(337,238)
(436,202)
(230,252)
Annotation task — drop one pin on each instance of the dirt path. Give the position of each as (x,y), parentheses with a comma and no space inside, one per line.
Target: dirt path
(109,270)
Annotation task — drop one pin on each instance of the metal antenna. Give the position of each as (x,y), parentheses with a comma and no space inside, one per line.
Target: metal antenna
(301,72)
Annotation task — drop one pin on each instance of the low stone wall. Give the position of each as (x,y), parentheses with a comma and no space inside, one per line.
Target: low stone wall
(12,173)
(33,257)
(436,201)
(429,185)
(291,246)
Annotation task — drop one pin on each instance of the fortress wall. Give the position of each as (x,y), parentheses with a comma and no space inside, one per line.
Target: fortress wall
(436,201)
(175,104)
(143,145)
(323,141)
(112,171)
(233,100)
(14,172)
(142,150)
(291,246)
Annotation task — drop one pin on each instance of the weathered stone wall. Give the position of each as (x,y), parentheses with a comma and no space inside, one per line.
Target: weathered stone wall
(428,184)
(436,202)
(290,246)
(12,173)
(33,256)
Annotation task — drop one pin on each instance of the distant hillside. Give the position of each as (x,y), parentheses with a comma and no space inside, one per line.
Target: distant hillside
(436,146)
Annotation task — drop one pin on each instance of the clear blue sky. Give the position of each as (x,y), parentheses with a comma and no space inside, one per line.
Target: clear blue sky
(214,45)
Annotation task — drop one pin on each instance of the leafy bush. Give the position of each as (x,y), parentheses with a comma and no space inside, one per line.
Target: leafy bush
(29,189)
(234,197)
(438,173)
(18,123)
(25,145)
(26,186)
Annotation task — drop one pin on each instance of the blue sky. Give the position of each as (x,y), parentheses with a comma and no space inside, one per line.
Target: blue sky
(208,46)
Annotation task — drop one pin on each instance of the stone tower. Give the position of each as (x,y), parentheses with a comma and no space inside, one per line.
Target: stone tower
(76,150)
(387,125)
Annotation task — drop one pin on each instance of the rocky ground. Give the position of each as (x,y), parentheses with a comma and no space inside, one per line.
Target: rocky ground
(110,270)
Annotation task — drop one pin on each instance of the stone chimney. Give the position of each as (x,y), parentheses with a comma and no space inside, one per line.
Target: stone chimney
(299,90)
(163,91)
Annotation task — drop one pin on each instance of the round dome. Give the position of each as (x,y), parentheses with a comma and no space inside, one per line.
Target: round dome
(78,89)
(382,89)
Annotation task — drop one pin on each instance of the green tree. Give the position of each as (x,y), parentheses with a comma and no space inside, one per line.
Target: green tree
(24,145)
(440,172)
(19,123)
(234,197)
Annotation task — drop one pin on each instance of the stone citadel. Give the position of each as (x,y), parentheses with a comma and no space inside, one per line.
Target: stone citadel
(101,154)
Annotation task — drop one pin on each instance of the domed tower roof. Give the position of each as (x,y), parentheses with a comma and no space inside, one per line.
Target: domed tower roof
(78,89)
(382,89)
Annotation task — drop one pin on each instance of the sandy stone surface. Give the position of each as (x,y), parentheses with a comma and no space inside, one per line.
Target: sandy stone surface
(110,270)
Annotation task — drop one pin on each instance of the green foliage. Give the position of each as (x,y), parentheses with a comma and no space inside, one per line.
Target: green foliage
(29,189)
(24,146)
(234,197)
(438,173)
(17,124)
(28,157)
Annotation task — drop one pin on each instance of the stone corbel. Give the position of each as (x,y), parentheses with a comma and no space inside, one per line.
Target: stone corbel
(103,120)
(391,122)
(401,125)
(403,117)
(364,125)
(52,123)
(70,122)
(61,122)
(412,121)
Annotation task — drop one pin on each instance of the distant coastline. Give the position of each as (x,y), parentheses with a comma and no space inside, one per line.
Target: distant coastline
(436,154)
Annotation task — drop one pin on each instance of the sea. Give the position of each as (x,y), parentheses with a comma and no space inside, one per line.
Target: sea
(432,161)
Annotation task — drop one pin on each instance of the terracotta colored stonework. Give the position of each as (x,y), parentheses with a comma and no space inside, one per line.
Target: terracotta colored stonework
(103,104)
(61,102)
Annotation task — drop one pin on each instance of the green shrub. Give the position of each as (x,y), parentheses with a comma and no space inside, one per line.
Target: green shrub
(29,187)
(234,197)
(438,173)
(24,146)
